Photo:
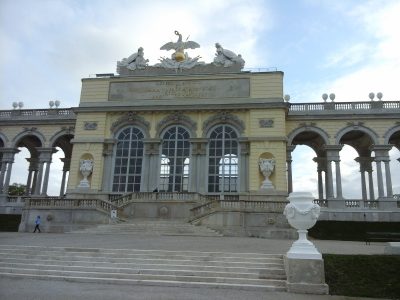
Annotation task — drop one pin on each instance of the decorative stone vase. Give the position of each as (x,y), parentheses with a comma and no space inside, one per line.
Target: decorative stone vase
(86,168)
(266,167)
(302,214)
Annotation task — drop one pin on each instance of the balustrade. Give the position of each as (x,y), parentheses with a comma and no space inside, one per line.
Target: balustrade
(305,107)
(60,203)
(35,113)
(213,203)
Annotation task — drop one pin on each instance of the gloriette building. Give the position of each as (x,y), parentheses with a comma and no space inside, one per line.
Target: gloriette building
(205,142)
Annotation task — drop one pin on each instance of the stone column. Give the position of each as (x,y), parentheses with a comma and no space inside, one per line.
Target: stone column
(381,192)
(332,154)
(8,177)
(244,165)
(2,174)
(108,152)
(321,167)
(289,150)
(45,158)
(38,183)
(7,161)
(66,168)
(371,185)
(388,176)
(362,172)
(366,167)
(198,165)
(151,170)
(28,182)
(33,161)
(382,155)
(39,175)
(329,179)
(35,175)
(338,180)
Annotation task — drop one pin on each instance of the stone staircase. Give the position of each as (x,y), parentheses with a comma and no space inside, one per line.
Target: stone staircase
(247,271)
(151,227)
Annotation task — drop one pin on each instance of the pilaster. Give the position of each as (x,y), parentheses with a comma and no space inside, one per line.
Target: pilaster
(198,165)
(151,170)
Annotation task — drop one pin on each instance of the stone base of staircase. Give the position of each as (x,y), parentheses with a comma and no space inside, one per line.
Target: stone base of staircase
(246,271)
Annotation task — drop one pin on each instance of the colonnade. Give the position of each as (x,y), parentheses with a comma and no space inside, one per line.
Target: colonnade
(38,170)
(324,165)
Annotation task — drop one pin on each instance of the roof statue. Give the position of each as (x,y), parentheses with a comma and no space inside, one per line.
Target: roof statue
(180,61)
(179,47)
(133,62)
(227,58)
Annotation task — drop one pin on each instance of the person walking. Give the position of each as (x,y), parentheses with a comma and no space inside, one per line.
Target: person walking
(37,223)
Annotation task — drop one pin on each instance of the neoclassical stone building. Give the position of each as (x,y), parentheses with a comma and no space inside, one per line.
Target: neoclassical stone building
(192,143)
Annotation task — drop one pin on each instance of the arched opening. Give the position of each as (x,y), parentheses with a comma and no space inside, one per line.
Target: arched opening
(394,155)
(309,163)
(26,169)
(350,171)
(128,160)
(357,179)
(223,151)
(20,166)
(60,166)
(305,177)
(175,160)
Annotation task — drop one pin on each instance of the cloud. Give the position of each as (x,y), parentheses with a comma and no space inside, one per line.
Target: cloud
(367,60)
(381,71)
(349,56)
(56,43)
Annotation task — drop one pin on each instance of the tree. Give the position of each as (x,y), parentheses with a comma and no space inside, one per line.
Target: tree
(16,189)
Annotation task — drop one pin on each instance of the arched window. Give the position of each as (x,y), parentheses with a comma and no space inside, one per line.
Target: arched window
(175,159)
(128,160)
(223,160)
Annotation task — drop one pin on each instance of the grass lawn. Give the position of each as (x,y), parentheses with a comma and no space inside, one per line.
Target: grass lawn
(375,276)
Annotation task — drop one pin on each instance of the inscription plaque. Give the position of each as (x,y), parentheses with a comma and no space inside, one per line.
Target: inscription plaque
(175,89)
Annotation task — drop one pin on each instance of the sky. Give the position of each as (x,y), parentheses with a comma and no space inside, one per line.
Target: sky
(346,47)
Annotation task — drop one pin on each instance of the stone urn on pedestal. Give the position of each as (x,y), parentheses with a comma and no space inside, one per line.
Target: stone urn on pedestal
(302,214)
(86,168)
(304,265)
(266,167)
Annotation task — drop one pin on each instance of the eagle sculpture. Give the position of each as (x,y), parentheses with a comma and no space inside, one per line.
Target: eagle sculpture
(179,47)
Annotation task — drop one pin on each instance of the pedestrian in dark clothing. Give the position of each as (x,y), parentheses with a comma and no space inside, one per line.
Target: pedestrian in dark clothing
(37,222)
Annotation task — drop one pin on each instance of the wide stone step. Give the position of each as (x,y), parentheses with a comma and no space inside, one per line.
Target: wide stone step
(170,283)
(177,271)
(149,267)
(132,276)
(272,272)
(160,261)
(184,257)
(31,250)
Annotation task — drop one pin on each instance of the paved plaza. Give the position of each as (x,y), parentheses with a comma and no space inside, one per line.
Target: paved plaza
(11,288)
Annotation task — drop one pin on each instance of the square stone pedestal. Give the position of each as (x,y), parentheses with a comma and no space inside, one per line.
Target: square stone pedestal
(306,276)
